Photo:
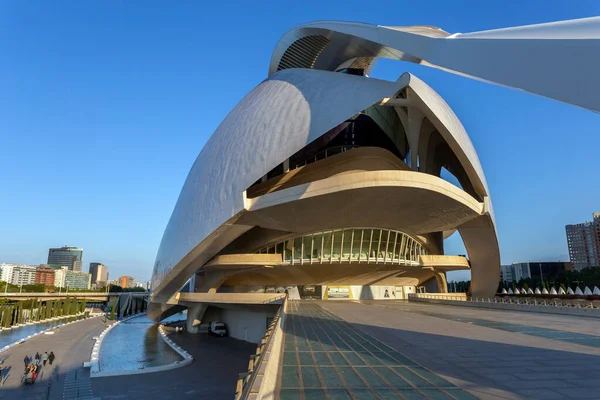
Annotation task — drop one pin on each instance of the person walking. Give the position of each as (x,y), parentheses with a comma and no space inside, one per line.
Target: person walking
(44,358)
(37,356)
(51,357)
(26,360)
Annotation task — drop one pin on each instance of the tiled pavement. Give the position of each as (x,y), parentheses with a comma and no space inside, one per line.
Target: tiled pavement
(563,336)
(326,357)
(488,362)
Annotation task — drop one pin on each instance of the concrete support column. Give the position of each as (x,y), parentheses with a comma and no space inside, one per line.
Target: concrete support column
(440,277)
(479,237)
(415,120)
(195,313)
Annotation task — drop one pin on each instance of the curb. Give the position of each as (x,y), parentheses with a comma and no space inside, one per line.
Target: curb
(94,362)
(173,345)
(26,338)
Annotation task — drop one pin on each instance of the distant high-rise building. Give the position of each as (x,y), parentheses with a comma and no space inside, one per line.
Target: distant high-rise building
(540,270)
(584,243)
(45,275)
(17,274)
(126,282)
(506,273)
(77,280)
(99,272)
(66,257)
(64,278)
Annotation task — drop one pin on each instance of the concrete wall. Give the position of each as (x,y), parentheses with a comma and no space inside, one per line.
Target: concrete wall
(370,292)
(246,325)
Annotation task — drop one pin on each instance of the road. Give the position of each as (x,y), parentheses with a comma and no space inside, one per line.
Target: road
(71,344)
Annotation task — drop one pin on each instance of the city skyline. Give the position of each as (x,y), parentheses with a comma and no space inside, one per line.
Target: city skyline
(161,135)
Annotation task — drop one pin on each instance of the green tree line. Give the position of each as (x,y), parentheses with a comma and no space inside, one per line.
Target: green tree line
(40,288)
(34,310)
(589,277)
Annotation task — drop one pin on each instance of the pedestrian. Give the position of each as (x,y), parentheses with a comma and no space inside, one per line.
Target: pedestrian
(37,356)
(26,360)
(51,357)
(45,358)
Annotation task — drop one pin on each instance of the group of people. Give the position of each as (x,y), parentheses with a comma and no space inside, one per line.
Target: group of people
(33,364)
(39,359)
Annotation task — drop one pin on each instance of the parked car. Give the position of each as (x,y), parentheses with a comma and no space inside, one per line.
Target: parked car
(217,328)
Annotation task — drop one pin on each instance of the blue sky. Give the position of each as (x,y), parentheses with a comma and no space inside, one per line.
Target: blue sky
(104,107)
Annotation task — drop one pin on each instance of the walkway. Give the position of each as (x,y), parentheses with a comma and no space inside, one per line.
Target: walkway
(212,375)
(72,344)
(326,357)
(491,354)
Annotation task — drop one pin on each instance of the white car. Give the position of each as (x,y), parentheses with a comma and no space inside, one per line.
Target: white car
(217,328)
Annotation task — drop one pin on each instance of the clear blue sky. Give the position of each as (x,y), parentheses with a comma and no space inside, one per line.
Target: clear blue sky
(104,107)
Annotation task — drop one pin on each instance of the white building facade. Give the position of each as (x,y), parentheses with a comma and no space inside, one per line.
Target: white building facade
(17,274)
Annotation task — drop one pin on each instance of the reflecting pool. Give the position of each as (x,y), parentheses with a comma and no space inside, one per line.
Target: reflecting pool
(135,344)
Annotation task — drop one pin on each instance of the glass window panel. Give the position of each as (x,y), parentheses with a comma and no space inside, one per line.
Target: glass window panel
(317,238)
(382,244)
(346,244)
(337,245)
(356,244)
(390,246)
(327,245)
(366,240)
(279,248)
(288,250)
(297,249)
(403,248)
(307,246)
(375,243)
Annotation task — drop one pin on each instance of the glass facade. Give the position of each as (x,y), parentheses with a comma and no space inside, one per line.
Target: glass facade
(369,245)
(66,257)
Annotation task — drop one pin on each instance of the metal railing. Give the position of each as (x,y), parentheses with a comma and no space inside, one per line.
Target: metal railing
(439,296)
(246,379)
(532,301)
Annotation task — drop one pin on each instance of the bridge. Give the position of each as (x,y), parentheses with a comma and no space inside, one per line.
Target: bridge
(97,296)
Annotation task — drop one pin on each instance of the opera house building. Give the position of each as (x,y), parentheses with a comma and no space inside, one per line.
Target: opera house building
(326,183)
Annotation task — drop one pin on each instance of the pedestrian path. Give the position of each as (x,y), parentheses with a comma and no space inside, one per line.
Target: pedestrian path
(77,385)
(326,357)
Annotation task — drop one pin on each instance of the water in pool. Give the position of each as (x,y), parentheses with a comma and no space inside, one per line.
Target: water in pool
(135,344)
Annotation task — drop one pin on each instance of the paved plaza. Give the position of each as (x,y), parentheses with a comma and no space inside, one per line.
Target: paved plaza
(490,354)
(326,357)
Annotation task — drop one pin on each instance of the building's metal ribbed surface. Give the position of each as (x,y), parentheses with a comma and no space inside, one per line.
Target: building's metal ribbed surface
(362,63)
(303,52)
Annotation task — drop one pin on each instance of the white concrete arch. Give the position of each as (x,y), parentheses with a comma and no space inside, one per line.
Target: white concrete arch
(558,60)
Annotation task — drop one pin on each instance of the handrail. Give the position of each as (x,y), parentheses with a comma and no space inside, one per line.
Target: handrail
(528,301)
(246,379)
